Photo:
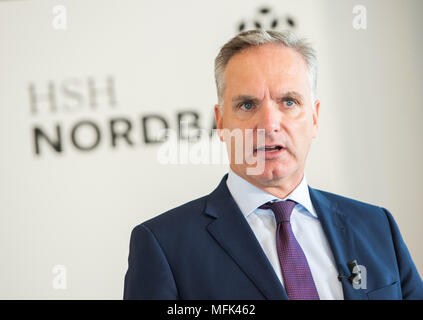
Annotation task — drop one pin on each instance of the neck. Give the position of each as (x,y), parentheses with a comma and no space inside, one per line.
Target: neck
(279,187)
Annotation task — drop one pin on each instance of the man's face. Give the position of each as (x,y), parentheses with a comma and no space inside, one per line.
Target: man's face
(268,87)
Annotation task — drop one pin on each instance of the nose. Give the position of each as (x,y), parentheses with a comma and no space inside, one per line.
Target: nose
(269,117)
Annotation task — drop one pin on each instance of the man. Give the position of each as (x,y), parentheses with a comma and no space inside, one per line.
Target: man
(267,234)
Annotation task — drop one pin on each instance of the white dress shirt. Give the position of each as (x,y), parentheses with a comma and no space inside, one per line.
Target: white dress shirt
(305,226)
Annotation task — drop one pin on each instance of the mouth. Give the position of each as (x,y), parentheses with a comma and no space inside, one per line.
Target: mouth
(270,152)
(270,148)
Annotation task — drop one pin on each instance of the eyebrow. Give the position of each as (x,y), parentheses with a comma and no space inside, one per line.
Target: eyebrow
(292,94)
(244,97)
(289,94)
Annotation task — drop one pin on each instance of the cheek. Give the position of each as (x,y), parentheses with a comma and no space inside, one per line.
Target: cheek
(231,122)
(227,119)
(301,131)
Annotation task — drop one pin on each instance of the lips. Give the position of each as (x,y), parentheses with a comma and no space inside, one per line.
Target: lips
(270,148)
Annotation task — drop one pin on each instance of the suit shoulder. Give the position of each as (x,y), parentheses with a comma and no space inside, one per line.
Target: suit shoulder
(345,202)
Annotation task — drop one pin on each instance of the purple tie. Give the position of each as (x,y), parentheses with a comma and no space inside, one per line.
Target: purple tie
(297,278)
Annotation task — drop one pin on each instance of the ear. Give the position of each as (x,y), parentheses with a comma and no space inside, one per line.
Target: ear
(316,117)
(219,119)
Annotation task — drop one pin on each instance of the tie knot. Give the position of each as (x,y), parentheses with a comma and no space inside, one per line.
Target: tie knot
(281,209)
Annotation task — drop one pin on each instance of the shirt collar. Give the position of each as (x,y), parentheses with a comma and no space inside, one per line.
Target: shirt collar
(248,197)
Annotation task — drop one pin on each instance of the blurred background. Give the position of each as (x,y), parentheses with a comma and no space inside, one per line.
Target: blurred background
(87,86)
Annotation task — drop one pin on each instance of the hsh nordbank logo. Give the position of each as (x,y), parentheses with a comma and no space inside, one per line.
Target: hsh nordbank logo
(79,115)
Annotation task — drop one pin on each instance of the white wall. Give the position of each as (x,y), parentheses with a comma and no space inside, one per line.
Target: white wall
(376,91)
(77,208)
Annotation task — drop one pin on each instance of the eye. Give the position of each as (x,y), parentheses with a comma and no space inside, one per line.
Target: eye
(248,105)
(289,103)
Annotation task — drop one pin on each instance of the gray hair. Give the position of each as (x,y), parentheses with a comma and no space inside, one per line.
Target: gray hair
(255,38)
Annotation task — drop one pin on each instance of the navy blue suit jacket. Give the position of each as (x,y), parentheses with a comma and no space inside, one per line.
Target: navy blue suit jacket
(205,249)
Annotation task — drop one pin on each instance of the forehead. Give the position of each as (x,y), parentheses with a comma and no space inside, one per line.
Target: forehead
(270,66)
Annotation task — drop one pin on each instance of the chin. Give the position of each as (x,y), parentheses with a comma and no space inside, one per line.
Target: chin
(274,174)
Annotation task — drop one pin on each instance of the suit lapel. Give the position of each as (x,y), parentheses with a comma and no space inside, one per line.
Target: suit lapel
(341,241)
(233,233)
